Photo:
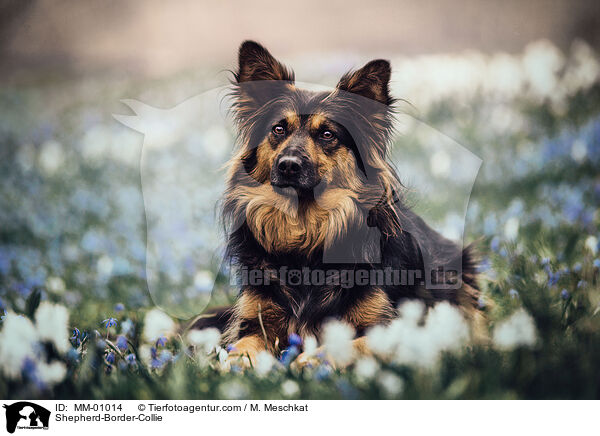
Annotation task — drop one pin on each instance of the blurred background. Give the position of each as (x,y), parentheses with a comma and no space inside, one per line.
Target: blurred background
(157,38)
(516,83)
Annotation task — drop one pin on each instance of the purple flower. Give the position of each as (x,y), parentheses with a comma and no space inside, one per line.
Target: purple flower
(295,340)
(122,343)
(110,322)
(230,348)
(564,294)
(110,357)
(119,307)
(130,358)
(160,342)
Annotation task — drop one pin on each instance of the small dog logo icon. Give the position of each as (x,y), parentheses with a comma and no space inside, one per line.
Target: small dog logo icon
(26,415)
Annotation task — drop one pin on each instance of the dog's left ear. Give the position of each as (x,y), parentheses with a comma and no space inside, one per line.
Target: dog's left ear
(371,81)
(256,63)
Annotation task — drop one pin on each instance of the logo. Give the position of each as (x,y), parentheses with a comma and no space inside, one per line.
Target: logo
(26,415)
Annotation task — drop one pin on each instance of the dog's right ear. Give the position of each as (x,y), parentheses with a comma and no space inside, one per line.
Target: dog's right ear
(256,63)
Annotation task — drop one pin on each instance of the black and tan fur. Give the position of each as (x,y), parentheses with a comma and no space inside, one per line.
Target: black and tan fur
(357,188)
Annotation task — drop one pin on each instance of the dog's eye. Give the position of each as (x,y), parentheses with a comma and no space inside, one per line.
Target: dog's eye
(327,135)
(278,129)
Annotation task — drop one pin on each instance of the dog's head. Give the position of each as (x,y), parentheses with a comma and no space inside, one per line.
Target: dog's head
(327,149)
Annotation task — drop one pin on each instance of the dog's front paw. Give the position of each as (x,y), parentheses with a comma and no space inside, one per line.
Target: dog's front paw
(239,359)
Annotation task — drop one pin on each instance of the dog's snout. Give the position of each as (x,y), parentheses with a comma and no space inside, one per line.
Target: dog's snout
(294,169)
(289,166)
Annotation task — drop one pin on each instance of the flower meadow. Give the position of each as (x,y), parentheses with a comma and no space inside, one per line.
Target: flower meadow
(78,322)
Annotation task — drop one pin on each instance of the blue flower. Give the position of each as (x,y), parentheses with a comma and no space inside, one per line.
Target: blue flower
(289,354)
(513,293)
(156,363)
(110,322)
(295,339)
(130,358)
(119,307)
(577,267)
(553,278)
(564,294)
(110,357)
(122,343)
(75,339)
(484,265)
(160,342)
(495,243)
(545,261)
(581,283)
(230,348)
(597,263)
(73,355)
(165,356)
(323,372)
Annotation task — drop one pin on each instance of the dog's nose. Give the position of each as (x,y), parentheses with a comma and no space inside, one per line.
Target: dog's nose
(289,166)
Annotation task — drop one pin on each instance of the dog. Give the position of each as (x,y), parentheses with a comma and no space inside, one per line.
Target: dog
(310,191)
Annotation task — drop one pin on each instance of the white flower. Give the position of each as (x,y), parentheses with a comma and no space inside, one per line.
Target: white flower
(264,363)
(391,384)
(337,339)
(222,356)
(204,281)
(206,339)
(157,324)
(52,373)
(233,390)
(366,368)
(290,388)
(145,354)
(511,228)
(409,342)
(56,285)
(447,327)
(591,243)
(51,156)
(518,330)
(17,342)
(381,341)
(52,322)
(310,345)
(412,311)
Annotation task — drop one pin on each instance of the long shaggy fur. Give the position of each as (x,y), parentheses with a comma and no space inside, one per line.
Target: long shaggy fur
(269,229)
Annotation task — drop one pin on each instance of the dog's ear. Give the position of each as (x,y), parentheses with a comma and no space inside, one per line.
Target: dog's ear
(371,81)
(256,63)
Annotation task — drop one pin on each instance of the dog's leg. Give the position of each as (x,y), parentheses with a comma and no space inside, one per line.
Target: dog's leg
(245,350)
(359,348)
